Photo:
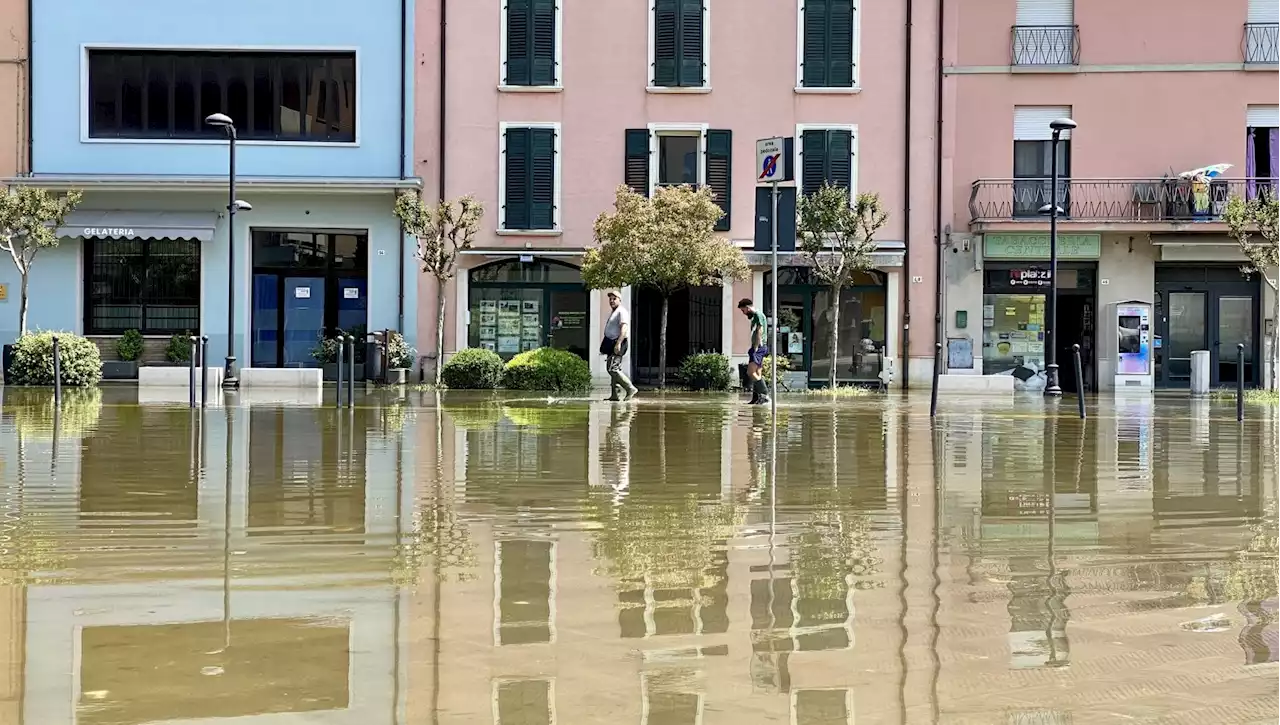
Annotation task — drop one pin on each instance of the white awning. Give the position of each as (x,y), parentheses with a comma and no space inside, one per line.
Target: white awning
(126,224)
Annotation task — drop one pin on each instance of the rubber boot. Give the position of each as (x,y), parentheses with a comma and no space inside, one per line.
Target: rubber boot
(762,393)
(755,392)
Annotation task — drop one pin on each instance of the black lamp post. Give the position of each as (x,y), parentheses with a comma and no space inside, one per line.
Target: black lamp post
(223,121)
(1053,387)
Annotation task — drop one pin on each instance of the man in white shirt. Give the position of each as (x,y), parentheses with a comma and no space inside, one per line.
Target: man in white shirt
(614,347)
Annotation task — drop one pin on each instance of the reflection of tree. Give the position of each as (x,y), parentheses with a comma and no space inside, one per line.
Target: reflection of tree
(669,542)
(436,533)
(27,549)
(834,550)
(1250,575)
(548,417)
(474,415)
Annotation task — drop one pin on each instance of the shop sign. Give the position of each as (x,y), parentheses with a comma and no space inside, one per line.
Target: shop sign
(1030,277)
(1035,245)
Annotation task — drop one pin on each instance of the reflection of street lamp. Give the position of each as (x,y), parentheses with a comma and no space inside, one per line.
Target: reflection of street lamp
(223,121)
(1052,387)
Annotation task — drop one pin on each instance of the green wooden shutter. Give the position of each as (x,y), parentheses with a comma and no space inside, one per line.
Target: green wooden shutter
(542,178)
(720,172)
(544,42)
(515,202)
(839,158)
(519,43)
(814,60)
(813,161)
(666,24)
(635,168)
(691,60)
(840,43)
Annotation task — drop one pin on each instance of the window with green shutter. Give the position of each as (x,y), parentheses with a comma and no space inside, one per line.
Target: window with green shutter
(531,43)
(827,58)
(826,156)
(720,172)
(529,178)
(678,37)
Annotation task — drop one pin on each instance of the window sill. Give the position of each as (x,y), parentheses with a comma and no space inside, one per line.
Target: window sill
(530,89)
(678,89)
(829,91)
(529,232)
(1045,68)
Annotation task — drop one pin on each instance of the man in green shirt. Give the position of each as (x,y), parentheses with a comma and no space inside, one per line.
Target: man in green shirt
(757,352)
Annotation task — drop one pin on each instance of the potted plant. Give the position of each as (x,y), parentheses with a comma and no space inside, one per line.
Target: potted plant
(326,354)
(400,359)
(177,352)
(129,351)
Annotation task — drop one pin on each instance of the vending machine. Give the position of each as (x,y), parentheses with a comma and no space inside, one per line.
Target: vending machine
(1132,342)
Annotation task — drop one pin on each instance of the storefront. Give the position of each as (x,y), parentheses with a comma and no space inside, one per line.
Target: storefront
(1206,307)
(516,306)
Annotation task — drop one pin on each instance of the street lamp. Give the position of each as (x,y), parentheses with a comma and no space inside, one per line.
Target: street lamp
(223,121)
(1052,386)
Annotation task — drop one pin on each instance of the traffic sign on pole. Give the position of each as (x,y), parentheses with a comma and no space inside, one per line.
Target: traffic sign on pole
(773,160)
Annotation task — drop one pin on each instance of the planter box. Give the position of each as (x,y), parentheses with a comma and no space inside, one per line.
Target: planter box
(398,376)
(174,376)
(795,381)
(119,369)
(330,371)
(280,378)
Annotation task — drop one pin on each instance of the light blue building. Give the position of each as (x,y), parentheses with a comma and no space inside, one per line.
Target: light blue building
(321,98)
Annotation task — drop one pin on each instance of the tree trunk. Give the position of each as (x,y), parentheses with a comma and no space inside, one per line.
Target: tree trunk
(440,305)
(835,331)
(22,310)
(662,344)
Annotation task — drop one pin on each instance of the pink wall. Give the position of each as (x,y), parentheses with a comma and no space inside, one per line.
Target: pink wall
(13,88)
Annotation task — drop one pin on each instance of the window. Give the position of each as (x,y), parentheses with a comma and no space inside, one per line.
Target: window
(1262,149)
(1262,32)
(669,155)
(679,47)
(151,285)
(524,600)
(529,185)
(531,43)
(1044,33)
(271,96)
(1033,159)
(826,157)
(828,43)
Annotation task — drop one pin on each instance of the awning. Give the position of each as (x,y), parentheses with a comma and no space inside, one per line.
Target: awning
(140,225)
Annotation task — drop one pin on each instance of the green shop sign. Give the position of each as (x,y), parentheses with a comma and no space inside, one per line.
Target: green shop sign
(1035,245)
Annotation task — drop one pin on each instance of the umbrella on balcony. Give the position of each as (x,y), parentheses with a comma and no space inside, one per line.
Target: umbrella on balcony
(1205,172)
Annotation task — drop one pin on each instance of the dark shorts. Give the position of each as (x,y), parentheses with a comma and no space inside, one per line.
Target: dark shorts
(757,355)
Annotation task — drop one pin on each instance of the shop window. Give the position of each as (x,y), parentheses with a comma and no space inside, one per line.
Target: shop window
(149,285)
(516,307)
(271,96)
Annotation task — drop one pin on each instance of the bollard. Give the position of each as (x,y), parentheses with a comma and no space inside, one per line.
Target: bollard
(57,373)
(342,349)
(1240,381)
(204,371)
(1075,350)
(386,355)
(191,370)
(937,369)
(351,371)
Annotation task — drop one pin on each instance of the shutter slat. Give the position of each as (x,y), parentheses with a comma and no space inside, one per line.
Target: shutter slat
(840,43)
(1031,123)
(691,61)
(814,60)
(720,172)
(519,51)
(813,156)
(635,166)
(665,25)
(542,178)
(543,51)
(515,203)
(1045,12)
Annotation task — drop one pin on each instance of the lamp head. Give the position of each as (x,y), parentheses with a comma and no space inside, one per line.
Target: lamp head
(220,120)
(1048,209)
(1062,124)
(242,205)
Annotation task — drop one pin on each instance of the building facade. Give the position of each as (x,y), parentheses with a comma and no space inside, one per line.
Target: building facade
(544,116)
(322,109)
(1147,272)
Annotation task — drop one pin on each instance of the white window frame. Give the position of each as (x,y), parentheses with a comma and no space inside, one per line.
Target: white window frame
(857,48)
(677,129)
(706,53)
(553,586)
(796,631)
(551,695)
(848,701)
(558,176)
(644,700)
(852,128)
(556,87)
(651,607)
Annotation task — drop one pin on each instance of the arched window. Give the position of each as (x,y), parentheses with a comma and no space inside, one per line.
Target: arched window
(517,306)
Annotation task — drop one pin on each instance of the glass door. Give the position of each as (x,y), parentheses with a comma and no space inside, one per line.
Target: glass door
(1186,329)
(265,351)
(568,322)
(794,328)
(303,320)
(1234,326)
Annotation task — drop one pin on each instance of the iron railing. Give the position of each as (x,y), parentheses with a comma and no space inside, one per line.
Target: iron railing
(1111,200)
(1262,42)
(1045,45)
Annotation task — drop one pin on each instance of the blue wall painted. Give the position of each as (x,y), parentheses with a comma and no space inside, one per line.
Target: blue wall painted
(61,27)
(55,296)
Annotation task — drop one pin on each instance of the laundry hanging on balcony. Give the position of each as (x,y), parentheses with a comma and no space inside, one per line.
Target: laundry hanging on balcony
(1200,187)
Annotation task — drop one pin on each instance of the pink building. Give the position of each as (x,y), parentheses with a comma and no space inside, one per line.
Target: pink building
(548,106)
(1157,88)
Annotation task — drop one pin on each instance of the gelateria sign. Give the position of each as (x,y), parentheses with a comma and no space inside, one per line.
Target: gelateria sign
(1035,245)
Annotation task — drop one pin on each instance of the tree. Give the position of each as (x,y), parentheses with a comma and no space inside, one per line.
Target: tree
(666,243)
(29,221)
(1259,215)
(838,239)
(443,231)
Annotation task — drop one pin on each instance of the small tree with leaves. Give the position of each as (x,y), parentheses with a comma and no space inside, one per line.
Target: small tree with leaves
(666,243)
(443,231)
(1252,224)
(29,221)
(838,240)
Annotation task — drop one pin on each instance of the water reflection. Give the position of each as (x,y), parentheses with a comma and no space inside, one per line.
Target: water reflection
(533,561)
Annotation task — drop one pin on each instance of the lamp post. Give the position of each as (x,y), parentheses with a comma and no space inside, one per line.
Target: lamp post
(1052,386)
(223,121)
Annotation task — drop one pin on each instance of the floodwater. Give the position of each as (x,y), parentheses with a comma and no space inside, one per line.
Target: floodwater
(533,561)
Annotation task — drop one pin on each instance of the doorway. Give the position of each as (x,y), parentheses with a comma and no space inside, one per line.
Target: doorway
(1206,308)
(1075,326)
(694,325)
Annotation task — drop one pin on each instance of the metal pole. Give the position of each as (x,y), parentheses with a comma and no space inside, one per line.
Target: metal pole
(351,371)
(1240,381)
(1052,386)
(57,373)
(1075,350)
(937,367)
(204,371)
(773,319)
(192,360)
(342,350)
(229,372)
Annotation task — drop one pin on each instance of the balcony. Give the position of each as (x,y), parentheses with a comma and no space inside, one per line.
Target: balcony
(1262,43)
(1045,45)
(1167,201)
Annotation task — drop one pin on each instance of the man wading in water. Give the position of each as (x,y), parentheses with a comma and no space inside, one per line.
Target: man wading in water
(757,352)
(614,348)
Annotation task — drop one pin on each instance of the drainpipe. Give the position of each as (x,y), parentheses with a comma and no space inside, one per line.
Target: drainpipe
(906,201)
(939,333)
(404,61)
(444,85)
(30,90)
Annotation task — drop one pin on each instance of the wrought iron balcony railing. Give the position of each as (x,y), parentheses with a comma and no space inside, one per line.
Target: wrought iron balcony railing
(1262,42)
(1045,45)
(1111,200)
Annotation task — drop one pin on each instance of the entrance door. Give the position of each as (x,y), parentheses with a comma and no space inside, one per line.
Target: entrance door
(1234,326)
(1185,331)
(795,315)
(568,318)
(288,320)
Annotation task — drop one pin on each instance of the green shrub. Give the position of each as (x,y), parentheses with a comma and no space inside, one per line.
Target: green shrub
(326,350)
(81,362)
(547,369)
(129,346)
(705,371)
(179,348)
(784,364)
(473,368)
